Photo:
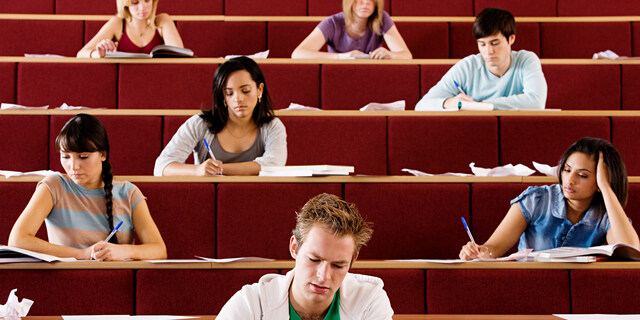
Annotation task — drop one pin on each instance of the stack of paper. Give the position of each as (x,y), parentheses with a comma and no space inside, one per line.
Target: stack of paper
(305,171)
(13,254)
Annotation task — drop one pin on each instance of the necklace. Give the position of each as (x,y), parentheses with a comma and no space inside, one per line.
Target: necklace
(242,136)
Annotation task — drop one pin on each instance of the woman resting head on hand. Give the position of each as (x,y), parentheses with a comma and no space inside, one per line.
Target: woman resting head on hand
(241,130)
(356,32)
(82,207)
(136,28)
(585,209)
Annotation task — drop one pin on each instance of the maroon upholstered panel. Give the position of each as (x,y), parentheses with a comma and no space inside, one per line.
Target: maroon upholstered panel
(80,84)
(135,143)
(526,291)
(329,7)
(7,82)
(185,216)
(597,8)
(284,36)
(257,219)
(430,74)
(442,144)
(170,126)
(405,288)
(463,44)
(40,37)
(91,28)
(531,8)
(86,7)
(583,87)
(27,6)
(25,141)
(624,131)
(412,221)
(177,86)
(545,139)
(287,83)
(633,204)
(188,292)
(605,291)
(426,40)
(16,199)
(635,27)
(432,8)
(575,39)
(630,80)
(489,205)
(355,141)
(265,8)
(210,7)
(344,86)
(223,38)
(85,291)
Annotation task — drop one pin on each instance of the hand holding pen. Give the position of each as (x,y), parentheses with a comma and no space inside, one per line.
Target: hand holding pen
(472,250)
(458,100)
(101,250)
(211,166)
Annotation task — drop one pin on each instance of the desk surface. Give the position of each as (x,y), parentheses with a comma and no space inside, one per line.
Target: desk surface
(401,317)
(288,264)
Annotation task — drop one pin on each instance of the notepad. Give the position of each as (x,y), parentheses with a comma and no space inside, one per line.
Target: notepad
(12,254)
(159,51)
(620,251)
(305,171)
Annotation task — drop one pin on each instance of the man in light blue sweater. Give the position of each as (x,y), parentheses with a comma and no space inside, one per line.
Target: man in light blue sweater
(507,79)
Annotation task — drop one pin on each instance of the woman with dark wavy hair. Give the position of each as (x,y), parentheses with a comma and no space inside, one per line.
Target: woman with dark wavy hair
(241,131)
(585,209)
(82,207)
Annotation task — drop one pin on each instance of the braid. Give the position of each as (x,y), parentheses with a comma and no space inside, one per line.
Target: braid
(107,178)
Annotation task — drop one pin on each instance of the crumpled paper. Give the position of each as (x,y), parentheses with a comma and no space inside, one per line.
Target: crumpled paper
(393,106)
(503,171)
(608,54)
(14,310)
(299,107)
(258,55)
(7,106)
(424,174)
(546,169)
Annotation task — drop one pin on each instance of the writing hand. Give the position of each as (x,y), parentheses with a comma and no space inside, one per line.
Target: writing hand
(209,168)
(469,252)
(105,251)
(452,103)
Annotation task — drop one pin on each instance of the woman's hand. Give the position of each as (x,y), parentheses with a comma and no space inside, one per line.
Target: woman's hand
(380,53)
(105,251)
(209,168)
(602,173)
(105,46)
(469,251)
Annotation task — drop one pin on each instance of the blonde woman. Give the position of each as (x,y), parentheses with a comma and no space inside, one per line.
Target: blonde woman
(136,28)
(356,32)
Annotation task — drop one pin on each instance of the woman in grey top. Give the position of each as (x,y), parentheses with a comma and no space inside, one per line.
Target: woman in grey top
(241,129)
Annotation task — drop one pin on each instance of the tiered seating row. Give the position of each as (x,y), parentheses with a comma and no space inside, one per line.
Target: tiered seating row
(375,145)
(427,40)
(227,219)
(190,289)
(127,85)
(323,8)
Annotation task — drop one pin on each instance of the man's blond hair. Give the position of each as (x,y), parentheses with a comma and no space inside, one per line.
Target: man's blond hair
(335,215)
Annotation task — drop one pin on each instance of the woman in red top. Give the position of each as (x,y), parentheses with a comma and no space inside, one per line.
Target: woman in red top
(135,28)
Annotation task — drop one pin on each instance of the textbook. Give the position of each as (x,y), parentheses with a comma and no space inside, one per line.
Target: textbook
(13,254)
(618,251)
(305,171)
(159,51)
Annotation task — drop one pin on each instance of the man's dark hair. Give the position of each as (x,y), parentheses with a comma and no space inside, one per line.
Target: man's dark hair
(492,20)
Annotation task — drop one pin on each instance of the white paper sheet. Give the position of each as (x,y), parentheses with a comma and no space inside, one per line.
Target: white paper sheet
(7,106)
(392,106)
(420,173)
(15,309)
(546,169)
(598,316)
(227,260)
(257,55)
(503,171)
(299,107)
(9,173)
(520,255)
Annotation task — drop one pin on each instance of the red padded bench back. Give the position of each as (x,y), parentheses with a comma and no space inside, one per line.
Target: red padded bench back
(531,8)
(298,83)
(630,80)
(18,195)
(576,40)
(463,44)
(185,216)
(7,82)
(354,141)
(605,291)
(218,38)
(404,287)
(583,87)
(598,8)
(25,141)
(135,143)
(257,219)
(27,6)
(412,221)
(432,8)
(426,40)
(624,131)
(80,84)
(265,8)
(40,37)
(284,36)
(442,144)
(545,139)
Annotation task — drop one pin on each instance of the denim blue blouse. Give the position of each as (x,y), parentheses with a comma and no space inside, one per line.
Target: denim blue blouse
(544,210)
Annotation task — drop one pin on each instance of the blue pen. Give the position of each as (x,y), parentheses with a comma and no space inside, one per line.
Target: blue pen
(458,86)
(209,149)
(113,232)
(469,233)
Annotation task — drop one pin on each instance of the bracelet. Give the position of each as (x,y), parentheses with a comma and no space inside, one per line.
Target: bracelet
(91,53)
(490,254)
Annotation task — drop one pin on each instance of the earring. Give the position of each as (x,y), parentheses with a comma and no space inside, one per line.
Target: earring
(224,102)
(259,98)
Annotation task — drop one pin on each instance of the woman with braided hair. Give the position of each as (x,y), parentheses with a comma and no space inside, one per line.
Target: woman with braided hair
(83,206)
